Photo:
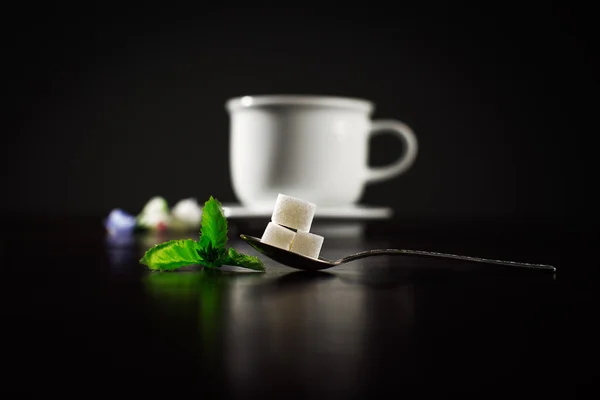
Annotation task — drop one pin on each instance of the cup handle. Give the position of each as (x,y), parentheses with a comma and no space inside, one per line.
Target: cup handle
(405,161)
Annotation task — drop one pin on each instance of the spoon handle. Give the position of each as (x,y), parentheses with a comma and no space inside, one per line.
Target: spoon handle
(420,253)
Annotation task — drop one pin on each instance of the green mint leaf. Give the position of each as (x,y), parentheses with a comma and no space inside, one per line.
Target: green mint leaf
(211,257)
(213,231)
(171,255)
(209,251)
(242,260)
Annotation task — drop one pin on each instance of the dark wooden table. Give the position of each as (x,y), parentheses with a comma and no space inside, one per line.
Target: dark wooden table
(81,315)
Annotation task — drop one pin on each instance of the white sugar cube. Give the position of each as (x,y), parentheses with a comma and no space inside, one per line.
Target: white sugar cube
(307,244)
(278,236)
(293,213)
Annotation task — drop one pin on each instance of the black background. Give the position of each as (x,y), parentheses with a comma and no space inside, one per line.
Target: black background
(111,106)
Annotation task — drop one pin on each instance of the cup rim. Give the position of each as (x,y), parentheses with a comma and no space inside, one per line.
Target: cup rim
(249,101)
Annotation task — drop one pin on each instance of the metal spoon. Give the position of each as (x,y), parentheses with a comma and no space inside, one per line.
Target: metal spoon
(305,263)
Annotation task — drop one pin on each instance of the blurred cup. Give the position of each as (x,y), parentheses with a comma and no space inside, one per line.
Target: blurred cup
(310,147)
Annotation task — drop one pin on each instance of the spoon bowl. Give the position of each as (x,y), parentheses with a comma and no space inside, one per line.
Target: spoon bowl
(287,257)
(301,262)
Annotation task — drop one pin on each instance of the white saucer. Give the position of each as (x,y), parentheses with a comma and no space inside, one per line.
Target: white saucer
(354,212)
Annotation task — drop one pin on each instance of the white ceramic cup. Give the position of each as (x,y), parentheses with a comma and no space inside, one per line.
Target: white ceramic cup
(311,147)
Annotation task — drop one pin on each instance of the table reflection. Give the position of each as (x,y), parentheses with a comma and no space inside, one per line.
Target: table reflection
(252,325)
(345,329)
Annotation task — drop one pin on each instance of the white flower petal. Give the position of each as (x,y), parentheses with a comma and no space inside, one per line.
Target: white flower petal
(188,211)
(156,204)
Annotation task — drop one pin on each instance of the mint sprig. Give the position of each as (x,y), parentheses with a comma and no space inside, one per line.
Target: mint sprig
(171,255)
(209,250)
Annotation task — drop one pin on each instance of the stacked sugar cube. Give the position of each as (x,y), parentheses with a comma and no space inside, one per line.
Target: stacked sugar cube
(289,228)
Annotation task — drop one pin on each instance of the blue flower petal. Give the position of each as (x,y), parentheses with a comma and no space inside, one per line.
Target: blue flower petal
(119,222)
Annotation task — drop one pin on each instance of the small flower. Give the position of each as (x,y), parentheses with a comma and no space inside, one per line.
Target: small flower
(156,205)
(188,213)
(155,221)
(119,222)
(155,214)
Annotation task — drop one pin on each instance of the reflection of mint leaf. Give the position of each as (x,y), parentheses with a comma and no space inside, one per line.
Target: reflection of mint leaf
(172,255)
(242,260)
(214,226)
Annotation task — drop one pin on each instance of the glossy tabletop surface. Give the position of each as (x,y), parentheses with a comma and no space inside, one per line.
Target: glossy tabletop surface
(81,312)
